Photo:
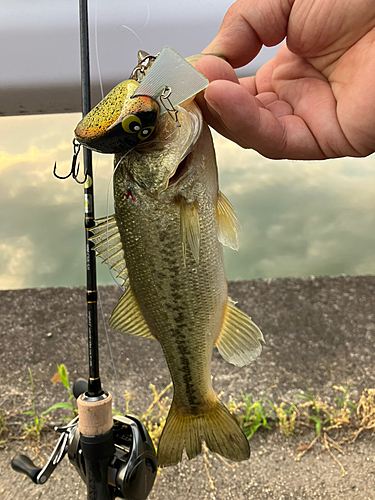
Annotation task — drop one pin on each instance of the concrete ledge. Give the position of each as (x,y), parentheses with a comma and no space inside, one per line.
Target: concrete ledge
(318,332)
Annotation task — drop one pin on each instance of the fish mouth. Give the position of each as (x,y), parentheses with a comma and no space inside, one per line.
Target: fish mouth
(182,169)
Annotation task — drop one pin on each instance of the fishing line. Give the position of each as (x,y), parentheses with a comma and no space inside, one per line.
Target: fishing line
(123,26)
(107,215)
(148,16)
(107,209)
(97,49)
(111,182)
(109,345)
(140,29)
(103,317)
(114,279)
(166,140)
(134,33)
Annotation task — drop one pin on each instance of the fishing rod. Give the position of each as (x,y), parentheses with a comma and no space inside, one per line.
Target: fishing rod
(114,456)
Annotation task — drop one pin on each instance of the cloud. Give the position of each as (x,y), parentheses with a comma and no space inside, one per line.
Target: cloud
(16,262)
(299,218)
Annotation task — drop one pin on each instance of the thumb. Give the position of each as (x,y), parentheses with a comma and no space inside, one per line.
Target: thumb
(247,26)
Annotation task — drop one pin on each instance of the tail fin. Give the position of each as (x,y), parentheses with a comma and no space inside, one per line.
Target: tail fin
(217,427)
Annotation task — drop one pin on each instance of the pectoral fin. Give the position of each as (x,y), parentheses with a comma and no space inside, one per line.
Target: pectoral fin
(228,224)
(190,230)
(108,246)
(128,318)
(239,339)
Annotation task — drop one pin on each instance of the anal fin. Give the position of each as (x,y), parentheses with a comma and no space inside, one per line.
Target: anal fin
(239,339)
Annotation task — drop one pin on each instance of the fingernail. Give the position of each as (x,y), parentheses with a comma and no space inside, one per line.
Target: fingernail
(216,55)
(215,106)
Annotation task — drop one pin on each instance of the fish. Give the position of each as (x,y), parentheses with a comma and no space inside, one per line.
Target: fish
(165,241)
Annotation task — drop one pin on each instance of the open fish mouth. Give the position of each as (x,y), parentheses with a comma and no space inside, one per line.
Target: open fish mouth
(195,132)
(182,169)
(160,166)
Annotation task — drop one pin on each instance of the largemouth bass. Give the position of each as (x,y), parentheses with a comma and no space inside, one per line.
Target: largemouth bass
(165,240)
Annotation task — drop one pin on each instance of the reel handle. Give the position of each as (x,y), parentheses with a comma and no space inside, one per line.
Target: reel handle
(39,475)
(23,464)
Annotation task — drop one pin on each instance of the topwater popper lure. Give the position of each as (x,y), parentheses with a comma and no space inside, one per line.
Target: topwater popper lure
(165,240)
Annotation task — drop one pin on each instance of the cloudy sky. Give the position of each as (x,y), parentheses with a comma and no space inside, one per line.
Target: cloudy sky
(298,218)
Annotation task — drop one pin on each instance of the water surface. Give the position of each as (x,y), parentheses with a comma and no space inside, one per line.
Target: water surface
(298,218)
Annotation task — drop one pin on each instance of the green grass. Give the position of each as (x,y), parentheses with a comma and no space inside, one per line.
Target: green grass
(252,415)
(37,423)
(63,375)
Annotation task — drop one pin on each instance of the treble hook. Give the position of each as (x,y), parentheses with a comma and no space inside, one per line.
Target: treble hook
(74,171)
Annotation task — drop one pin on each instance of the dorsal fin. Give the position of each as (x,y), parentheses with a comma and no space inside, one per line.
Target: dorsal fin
(239,339)
(228,224)
(190,230)
(128,318)
(108,246)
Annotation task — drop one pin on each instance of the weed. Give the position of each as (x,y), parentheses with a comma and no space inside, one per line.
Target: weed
(344,401)
(346,411)
(365,413)
(37,423)
(252,415)
(2,423)
(3,428)
(326,418)
(62,373)
(286,417)
(321,413)
(156,414)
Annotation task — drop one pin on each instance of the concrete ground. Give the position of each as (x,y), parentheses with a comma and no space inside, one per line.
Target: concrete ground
(319,332)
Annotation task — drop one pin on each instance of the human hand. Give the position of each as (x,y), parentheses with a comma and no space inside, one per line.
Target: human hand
(315,99)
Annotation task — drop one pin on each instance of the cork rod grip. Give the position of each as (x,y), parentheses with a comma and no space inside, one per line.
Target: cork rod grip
(95,417)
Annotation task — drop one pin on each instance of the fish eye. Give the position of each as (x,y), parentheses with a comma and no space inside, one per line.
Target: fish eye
(145,132)
(132,124)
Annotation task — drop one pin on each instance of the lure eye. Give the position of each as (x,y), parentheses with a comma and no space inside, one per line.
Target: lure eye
(132,124)
(145,132)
